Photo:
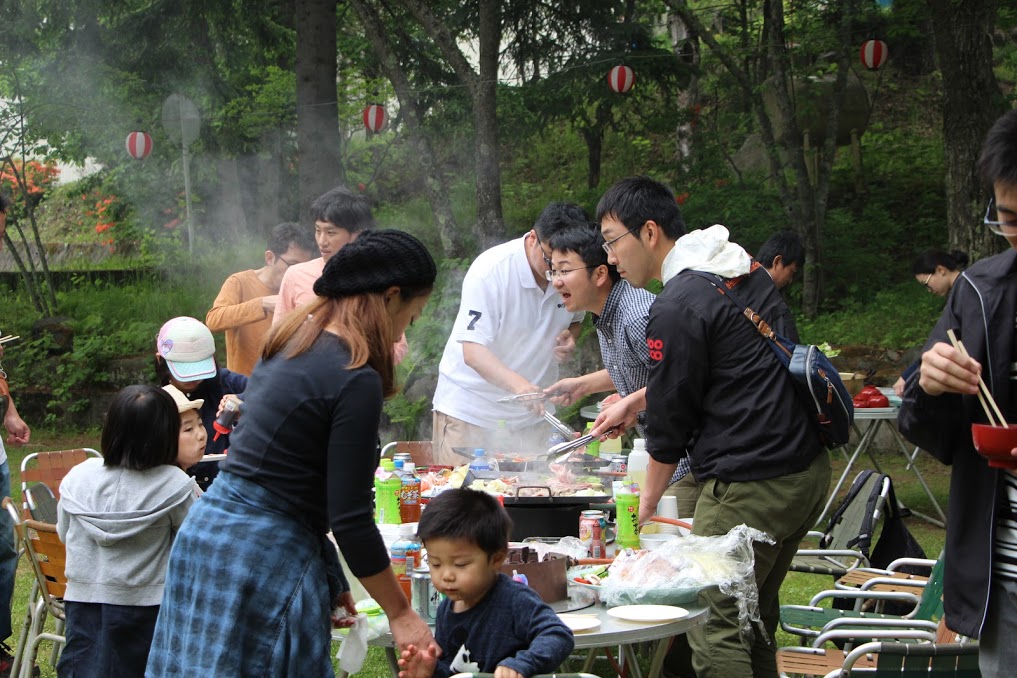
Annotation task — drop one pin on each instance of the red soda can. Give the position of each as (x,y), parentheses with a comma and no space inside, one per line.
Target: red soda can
(591,532)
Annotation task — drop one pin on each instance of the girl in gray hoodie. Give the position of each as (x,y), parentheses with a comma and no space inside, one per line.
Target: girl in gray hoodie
(117,517)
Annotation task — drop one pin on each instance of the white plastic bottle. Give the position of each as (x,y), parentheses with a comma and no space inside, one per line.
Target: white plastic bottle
(639,459)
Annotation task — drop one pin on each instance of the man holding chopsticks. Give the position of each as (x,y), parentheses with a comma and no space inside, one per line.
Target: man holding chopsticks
(942,401)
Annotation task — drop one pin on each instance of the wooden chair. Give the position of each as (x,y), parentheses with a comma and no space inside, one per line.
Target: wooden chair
(49,468)
(830,661)
(419,451)
(890,579)
(47,556)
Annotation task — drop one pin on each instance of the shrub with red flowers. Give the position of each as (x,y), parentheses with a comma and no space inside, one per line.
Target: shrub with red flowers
(102,212)
(37,176)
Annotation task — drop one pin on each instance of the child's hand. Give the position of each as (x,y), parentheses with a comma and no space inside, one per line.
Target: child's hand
(229,397)
(416,663)
(504,672)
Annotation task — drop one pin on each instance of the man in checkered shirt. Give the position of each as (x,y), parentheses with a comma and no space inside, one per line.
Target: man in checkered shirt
(586,282)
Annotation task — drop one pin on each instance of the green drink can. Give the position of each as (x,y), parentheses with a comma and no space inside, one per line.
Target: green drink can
(627,520)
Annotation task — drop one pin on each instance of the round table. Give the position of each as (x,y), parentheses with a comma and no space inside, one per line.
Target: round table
(612,631)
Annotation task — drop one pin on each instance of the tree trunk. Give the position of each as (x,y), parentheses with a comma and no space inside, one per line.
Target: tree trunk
(490,223)
(972,102)
(685,43)
(437,188)
(319,164)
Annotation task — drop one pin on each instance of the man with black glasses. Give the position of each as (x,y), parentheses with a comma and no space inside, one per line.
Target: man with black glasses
(941,403)
(509,336)
(243,309)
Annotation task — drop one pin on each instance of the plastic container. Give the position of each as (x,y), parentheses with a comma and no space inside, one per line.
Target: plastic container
(638,460)
(627,520)
(480,461)
(386,500)
(409,494)
(405,555)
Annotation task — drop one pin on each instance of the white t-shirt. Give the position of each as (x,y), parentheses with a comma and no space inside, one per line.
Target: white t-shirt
(504,309)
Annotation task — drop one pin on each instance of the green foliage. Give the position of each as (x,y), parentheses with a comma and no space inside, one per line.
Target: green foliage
(898,318)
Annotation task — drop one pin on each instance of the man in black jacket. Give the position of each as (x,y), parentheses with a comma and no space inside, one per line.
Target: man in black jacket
(940,404)
(718,393)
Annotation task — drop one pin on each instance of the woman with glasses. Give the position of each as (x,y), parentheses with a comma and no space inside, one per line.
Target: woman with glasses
(936,270)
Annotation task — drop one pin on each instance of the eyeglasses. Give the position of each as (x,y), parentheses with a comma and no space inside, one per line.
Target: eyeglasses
(288,263)
(994,225)
(551,273)
(926,283)
(609,245)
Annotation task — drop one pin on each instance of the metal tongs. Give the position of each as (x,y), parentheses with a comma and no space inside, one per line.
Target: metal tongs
(536,396)
(560,426)
(570,446)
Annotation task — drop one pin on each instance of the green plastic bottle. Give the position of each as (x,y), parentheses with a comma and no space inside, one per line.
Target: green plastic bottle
(388,500)
(627,520)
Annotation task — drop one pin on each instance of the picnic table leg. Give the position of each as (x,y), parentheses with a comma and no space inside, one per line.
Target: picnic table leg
(591,655)
(629,651)
(393,663)
(657,661)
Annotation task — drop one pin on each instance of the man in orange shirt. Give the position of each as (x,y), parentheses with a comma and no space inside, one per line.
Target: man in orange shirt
(247,299)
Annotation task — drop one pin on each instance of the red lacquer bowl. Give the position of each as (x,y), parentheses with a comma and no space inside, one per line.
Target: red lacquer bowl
(994,443)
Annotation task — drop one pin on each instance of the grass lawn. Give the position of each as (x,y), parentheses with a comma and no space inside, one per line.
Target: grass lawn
(798,588)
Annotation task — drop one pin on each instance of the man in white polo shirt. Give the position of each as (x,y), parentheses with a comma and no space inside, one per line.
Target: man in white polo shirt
(511,332)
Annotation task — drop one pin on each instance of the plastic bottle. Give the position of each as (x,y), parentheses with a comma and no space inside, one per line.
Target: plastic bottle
(405,554)
(480,461)
(387,486)
(639,459)
(627,520)
(409,495)
(223,424)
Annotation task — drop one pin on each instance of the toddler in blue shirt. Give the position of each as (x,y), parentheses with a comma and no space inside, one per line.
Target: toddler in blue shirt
(487,623)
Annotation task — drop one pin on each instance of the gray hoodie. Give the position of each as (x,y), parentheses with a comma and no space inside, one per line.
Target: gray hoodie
(118,526)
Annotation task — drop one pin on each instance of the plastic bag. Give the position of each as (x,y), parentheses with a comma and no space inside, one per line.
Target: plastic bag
(676,572)
(353,650)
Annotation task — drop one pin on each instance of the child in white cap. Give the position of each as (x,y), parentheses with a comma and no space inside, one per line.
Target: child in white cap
(193,435)
(185,358)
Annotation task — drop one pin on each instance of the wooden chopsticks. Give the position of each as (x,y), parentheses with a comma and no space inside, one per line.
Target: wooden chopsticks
(9,337)
(984,395)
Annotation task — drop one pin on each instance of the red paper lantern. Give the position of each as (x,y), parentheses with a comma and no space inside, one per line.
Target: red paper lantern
(374,117)
(139,145)
(621,79)
(874,54)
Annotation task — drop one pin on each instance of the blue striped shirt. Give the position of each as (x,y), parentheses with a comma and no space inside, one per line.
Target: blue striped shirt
(621,330)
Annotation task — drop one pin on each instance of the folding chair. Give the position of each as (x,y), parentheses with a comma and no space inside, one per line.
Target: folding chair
(890,579)
(929,660)
(419,451)
(809,621)
(48,558)
(845,544)
(829,661)
(49,468)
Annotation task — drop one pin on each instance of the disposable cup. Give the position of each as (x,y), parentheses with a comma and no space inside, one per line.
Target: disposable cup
(667,507)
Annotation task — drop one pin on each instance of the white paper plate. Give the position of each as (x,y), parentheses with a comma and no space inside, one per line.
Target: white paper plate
(648,613)
(579,622)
